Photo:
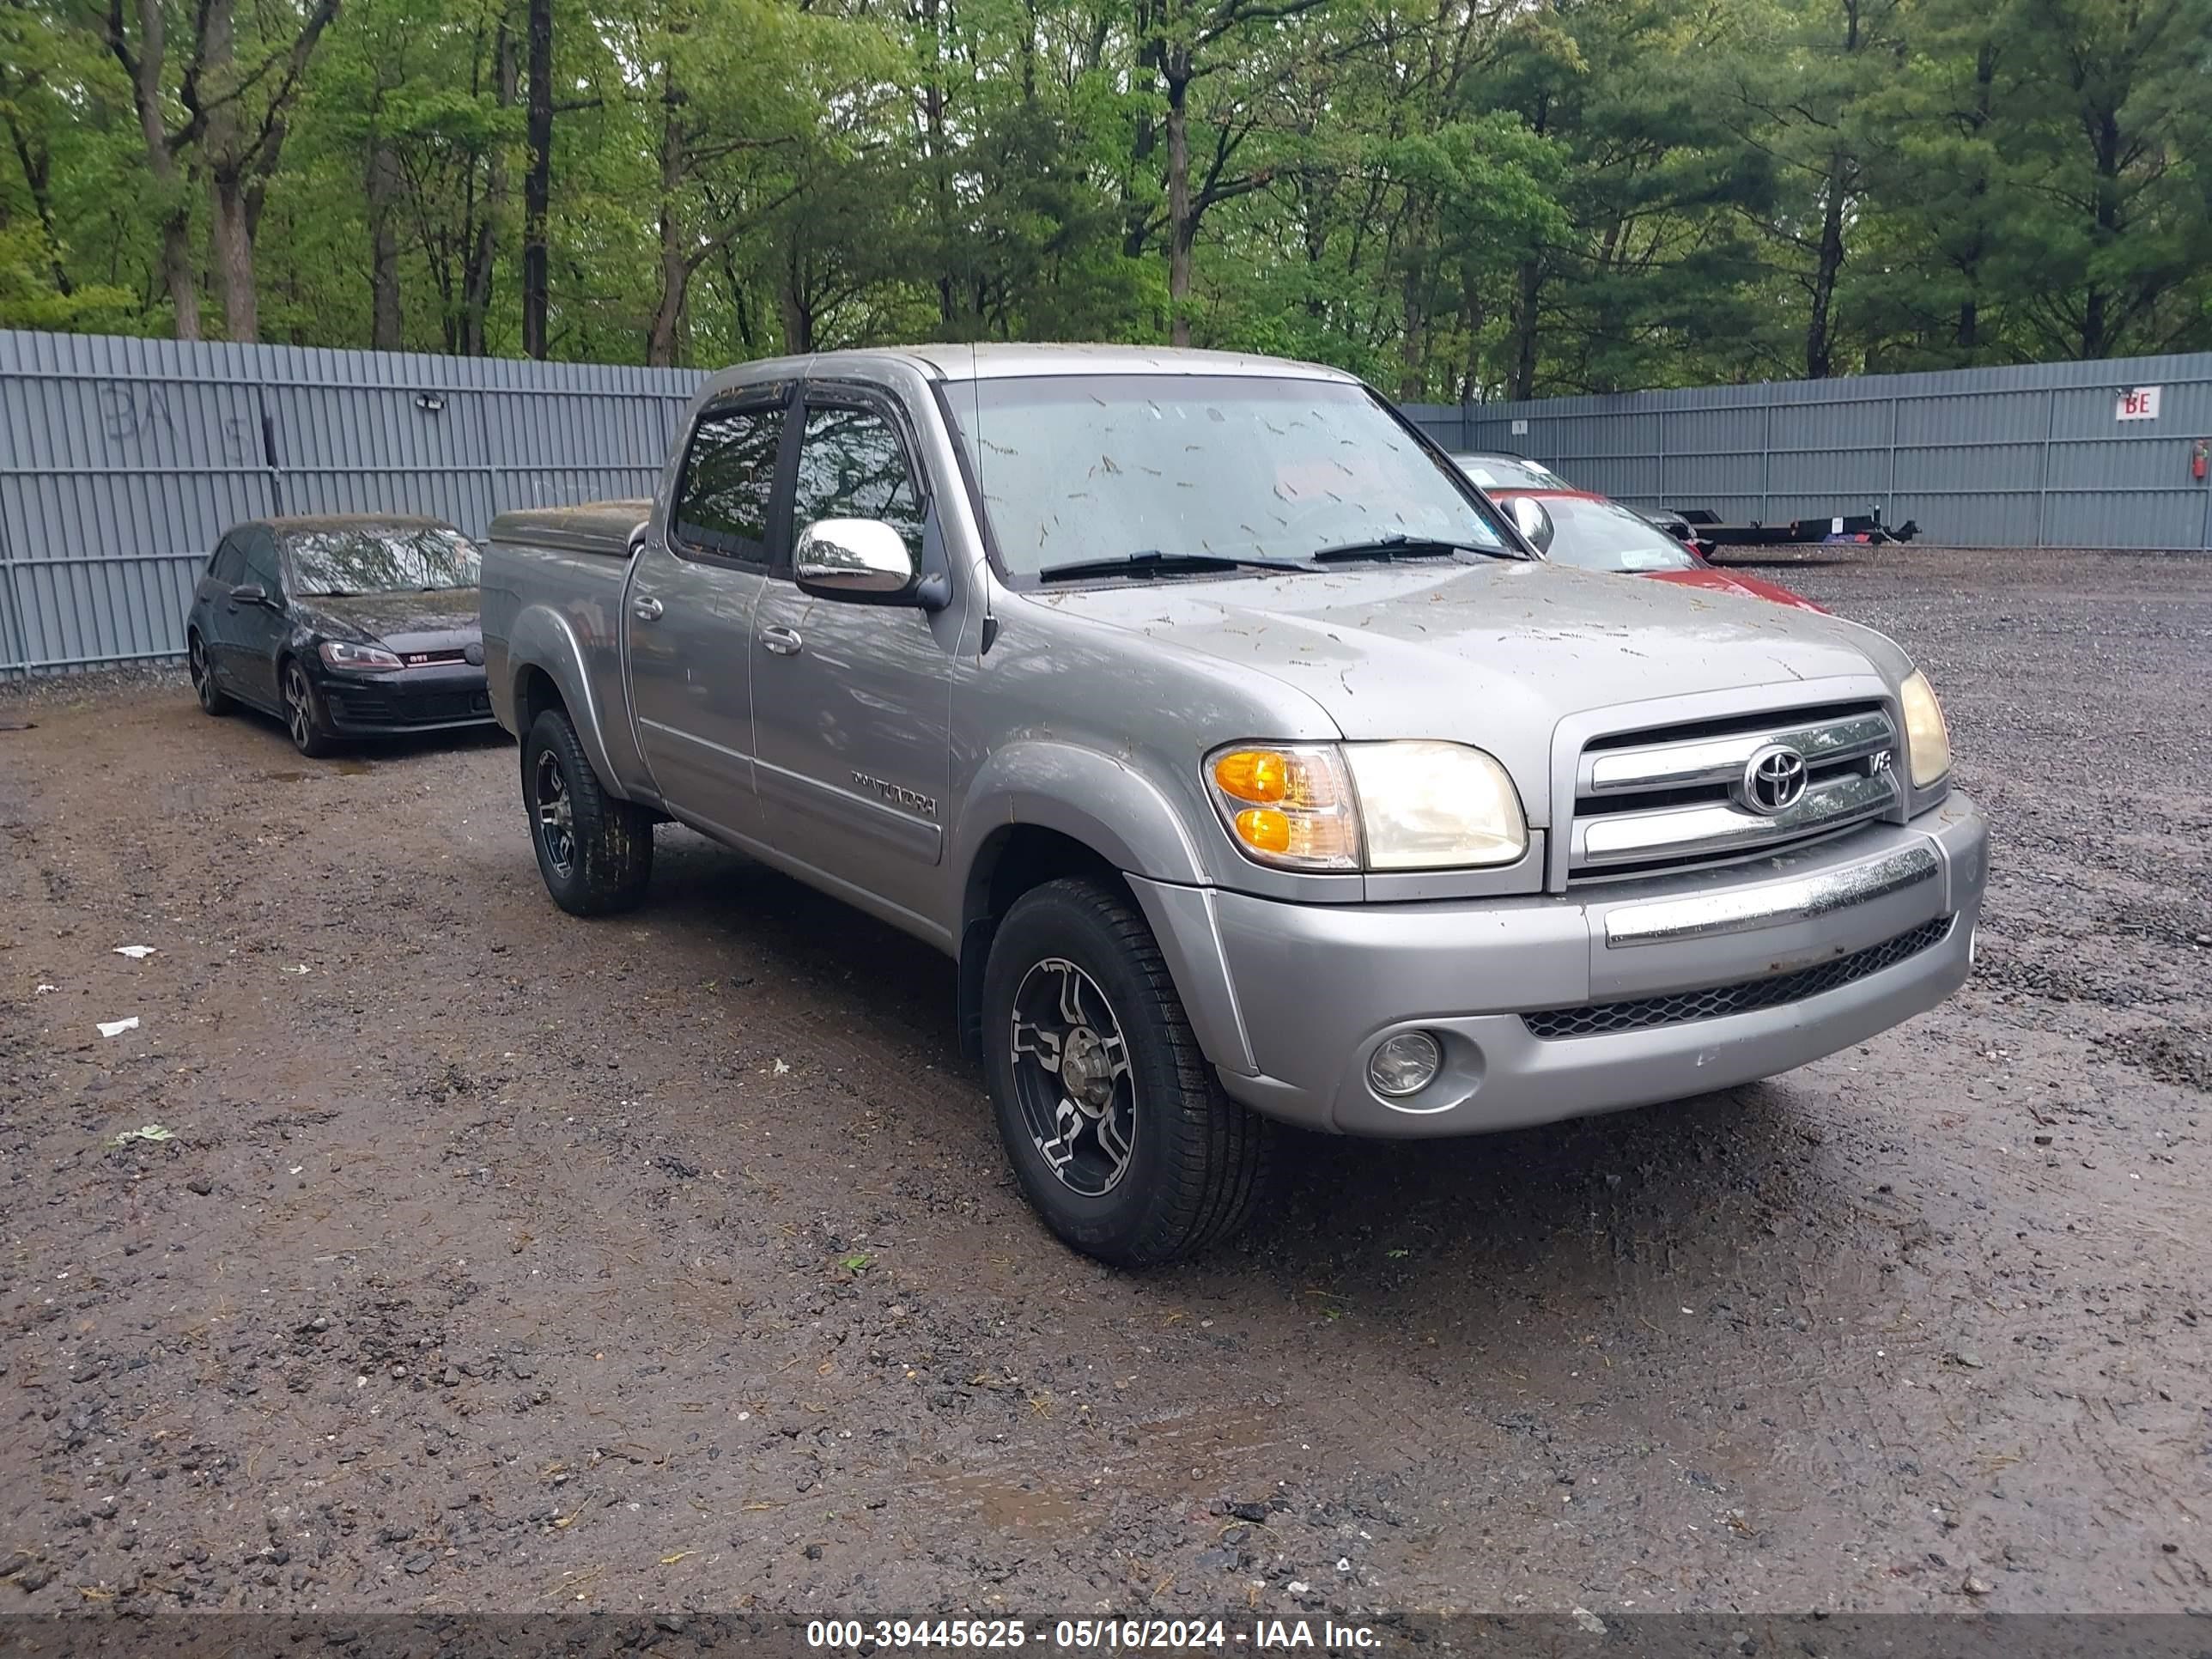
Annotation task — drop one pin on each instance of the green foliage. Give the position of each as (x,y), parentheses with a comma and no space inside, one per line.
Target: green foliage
(1452,201)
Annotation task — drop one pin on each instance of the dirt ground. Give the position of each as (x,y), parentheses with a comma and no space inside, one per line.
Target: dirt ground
(500,1259)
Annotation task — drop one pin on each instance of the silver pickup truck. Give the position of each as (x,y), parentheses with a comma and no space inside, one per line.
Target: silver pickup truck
(1247,760)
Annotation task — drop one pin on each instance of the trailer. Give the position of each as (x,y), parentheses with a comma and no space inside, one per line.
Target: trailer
(1865,530)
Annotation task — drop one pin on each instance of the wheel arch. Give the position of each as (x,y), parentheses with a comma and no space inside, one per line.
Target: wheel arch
(1016,856)
(542,643)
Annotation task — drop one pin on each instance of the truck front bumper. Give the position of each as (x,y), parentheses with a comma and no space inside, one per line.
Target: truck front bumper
(1618,995)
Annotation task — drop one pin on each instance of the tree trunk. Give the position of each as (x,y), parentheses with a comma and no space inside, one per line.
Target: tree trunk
(1819,344)
(384,327)
(1413,348)
(1527,299)
(38,177)
(1136,213)
(537,180)
(675,274)
(232,245)
(230,233)
(483,250)
(2105,137)
(1183,223)
(791,301)
(145,68)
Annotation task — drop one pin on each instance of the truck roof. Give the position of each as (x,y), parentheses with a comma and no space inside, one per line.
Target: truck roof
(995,360)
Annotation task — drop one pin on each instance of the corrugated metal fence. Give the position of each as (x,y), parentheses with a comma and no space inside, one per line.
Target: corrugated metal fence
(122,461)
(2033,456)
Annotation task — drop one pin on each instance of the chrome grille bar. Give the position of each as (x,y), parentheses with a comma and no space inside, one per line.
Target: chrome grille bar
(1716,827)
(1721,760)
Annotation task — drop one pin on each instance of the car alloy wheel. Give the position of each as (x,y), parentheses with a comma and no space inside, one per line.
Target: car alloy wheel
(1072,1073)
(299,706)
(555,813)
(203,685)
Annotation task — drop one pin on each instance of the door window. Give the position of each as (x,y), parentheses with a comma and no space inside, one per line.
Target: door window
(852,465)
(228,564)
(729,480)
(261,567)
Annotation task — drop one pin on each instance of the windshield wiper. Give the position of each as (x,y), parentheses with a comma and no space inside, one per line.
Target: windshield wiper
(1153,562)
(1399,545)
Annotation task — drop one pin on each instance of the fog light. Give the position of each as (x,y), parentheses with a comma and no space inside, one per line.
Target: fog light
(1404,1064)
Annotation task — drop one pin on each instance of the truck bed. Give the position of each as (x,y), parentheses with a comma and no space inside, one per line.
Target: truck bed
(574,563)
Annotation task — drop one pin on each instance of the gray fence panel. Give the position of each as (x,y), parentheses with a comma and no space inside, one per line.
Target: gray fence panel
(122,462)
(2030,455)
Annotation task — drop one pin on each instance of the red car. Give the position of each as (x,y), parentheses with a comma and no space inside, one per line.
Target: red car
(1596,533)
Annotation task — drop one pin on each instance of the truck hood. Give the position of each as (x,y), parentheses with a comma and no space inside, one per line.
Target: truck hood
(1494,655)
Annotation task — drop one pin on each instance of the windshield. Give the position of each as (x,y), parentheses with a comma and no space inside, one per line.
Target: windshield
(380,559)
(1102,466)
(1509,473)
(1599,535)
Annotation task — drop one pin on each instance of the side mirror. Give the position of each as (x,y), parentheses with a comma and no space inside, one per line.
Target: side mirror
(249,594)
(863,561)
(637,537)
(1534,523)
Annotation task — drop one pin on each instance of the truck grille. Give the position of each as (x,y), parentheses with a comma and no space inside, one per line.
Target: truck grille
(1648,801)
(1682,1007)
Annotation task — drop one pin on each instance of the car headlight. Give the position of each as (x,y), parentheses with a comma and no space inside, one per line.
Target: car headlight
(342,654)
(1416,805)
(1927,739)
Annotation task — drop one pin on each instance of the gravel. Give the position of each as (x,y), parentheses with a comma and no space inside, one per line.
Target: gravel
(517,1262)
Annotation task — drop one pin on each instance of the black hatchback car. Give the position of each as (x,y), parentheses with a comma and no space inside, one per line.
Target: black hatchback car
(342,627)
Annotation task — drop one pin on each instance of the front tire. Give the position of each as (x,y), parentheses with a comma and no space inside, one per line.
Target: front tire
(213,699)
(303,713)
(1117,1128)
(594,849)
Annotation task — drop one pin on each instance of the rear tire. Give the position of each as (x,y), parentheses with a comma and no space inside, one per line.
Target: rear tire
(594,849)
(213,699)
(1141,1159)
(303,714)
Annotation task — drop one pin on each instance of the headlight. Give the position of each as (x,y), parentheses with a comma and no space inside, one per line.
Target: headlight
(338,653)
(1411,805)
(1927,739)
(1435,806)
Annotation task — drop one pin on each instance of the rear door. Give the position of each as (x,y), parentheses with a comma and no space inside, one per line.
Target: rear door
(690,612)
(852,703)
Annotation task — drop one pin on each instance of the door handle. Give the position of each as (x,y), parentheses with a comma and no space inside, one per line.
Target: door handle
(784,641)
(646,608)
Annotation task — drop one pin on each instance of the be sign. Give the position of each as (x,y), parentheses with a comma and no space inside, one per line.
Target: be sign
(2138,404)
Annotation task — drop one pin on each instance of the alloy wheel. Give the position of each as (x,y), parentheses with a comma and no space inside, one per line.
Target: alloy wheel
(555,813)
(299,706)
(1072,1076)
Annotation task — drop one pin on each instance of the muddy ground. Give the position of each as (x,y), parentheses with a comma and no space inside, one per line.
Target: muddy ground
(502,1260)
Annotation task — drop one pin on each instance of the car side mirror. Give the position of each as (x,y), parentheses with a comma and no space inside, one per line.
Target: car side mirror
(637,537)
(862,561)
(1534,523)
(249,594)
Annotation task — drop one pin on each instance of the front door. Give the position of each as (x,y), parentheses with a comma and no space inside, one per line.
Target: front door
(255,632)
(852,703)
(690,615)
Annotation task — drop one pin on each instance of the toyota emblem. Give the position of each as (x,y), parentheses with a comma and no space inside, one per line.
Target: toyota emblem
(472,654)
(1773,780)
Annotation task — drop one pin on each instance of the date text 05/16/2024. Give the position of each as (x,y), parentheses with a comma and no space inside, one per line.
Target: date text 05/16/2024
(1091,1635)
